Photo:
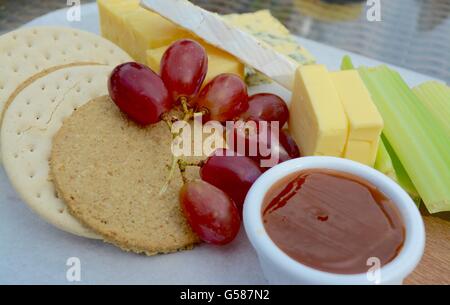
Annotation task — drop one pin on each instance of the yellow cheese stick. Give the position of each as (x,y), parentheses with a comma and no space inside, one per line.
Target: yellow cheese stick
(365,122)
(317,119)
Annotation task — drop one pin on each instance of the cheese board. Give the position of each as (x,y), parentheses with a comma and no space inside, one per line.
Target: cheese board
(40,254)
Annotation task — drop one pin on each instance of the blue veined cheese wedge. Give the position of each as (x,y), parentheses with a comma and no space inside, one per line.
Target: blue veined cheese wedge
(271,31)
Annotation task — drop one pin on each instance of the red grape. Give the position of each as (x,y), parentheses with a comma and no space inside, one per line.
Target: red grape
(234,174)
(183,68)
(289,144)
(139,92)
(266,107)
(261,142)
(211,213)
(224,98)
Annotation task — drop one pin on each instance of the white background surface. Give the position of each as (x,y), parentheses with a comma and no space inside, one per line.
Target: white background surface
(32,251)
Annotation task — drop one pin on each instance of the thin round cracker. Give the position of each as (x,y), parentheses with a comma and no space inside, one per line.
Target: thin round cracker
(35,77)
(110,172)
(30,123)
(29,51)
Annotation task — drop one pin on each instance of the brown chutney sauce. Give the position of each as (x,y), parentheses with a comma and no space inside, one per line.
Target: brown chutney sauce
(332,221)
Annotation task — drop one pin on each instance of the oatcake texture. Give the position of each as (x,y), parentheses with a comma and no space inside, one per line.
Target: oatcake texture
(109,171)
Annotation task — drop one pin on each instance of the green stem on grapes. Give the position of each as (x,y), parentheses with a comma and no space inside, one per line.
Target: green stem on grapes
(169,120)
(198,164)
(169,178)
(182,169)
(184,104)
(182,165)
(168,123)
(188,113)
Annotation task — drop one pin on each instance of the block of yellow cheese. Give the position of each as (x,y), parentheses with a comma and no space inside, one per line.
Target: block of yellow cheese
(136,29)
(365,122)
(317,119)
(152,31)
(146,35)
(143,34)
(113,24)
(218,62)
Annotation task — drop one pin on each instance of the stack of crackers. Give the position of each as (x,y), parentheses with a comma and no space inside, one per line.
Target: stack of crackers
(73,157)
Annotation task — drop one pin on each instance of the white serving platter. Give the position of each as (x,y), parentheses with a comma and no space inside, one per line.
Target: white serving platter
(34,252)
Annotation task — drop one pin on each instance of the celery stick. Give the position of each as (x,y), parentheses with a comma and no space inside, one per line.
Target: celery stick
(400,172)
(436,97)
(383,162)
(388,163)
(420,142)
(347,63)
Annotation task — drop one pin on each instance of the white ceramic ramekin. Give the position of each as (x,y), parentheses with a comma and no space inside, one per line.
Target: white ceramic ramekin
(279,268)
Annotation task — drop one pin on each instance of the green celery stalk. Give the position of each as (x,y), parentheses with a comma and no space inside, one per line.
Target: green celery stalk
(436,97)
(383,162)
(347,63)
(388,163)
(419,141)
(401,175)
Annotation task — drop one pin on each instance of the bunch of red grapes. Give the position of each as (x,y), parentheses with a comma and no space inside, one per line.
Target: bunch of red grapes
(213,205)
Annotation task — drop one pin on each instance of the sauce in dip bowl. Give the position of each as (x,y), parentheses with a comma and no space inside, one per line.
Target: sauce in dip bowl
(324,220)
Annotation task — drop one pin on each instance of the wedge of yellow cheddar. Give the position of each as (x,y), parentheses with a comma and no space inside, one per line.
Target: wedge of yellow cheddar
(365,122)
(218,62)
(136,29)
(113,26)
(317,122)
(146,35)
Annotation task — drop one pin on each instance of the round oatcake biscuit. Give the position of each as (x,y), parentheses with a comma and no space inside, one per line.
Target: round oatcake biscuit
(109,171)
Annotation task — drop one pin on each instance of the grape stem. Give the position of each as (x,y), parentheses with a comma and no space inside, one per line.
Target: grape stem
(188,114)
(169,178)
(182,171)
(183,101)
(182,165)
(169,120)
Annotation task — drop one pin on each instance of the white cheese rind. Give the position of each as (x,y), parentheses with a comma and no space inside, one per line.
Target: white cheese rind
(216,31)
